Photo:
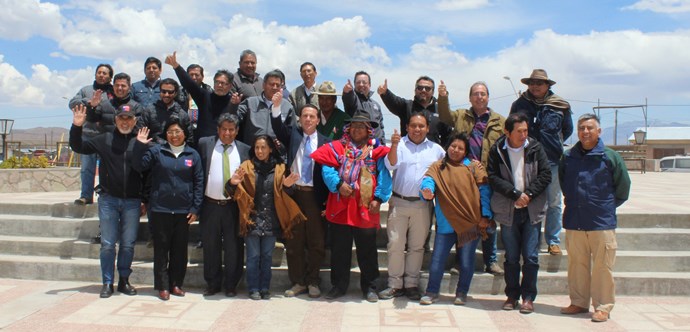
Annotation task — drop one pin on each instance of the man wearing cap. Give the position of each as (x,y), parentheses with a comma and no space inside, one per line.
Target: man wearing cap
(332,118)
(119,201)
(358,182)
(424,102)
(595,182)
(305,250)
(304,94)
(484,127)
(550,123)
(358,100)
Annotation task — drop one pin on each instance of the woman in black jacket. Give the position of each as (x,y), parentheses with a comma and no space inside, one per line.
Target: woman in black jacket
(177,189)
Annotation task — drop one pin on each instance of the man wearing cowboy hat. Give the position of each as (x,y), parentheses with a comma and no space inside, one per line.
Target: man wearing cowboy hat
(358,182)
(550,123)
(332,118)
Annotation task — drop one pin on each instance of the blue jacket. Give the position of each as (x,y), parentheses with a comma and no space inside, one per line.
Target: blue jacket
(177,183)
(442,224)
(594,183)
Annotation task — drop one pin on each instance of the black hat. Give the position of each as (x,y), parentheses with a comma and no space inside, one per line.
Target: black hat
(363,117)
(125,110)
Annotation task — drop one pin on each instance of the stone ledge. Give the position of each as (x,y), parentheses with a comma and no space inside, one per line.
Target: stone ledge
(51,179)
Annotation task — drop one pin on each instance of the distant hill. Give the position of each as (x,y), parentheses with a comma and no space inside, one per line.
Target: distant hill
(626,129)
(38,138)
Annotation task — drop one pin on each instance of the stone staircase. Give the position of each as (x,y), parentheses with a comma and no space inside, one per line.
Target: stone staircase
(51,242)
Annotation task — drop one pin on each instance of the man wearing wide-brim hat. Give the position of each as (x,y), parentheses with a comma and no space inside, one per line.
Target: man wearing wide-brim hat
(332,118)
(358,183)
(550,123)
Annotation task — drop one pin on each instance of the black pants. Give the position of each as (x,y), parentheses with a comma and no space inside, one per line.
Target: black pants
(341,256)
(170,237)
(219,228)
(305,250)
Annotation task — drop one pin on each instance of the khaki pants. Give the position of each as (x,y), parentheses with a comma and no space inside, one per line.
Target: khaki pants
(591,256)
(408,227)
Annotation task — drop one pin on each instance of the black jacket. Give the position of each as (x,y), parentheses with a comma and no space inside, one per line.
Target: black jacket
(104,113)
(116,175)
(403,108)
(156,116)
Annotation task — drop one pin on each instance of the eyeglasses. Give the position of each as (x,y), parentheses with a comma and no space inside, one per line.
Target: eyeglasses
(174,132)
(424,88)
(221,83)
(537,82)
(167,92)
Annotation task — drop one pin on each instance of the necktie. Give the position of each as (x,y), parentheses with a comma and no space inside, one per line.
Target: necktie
(226,165)
(307,161)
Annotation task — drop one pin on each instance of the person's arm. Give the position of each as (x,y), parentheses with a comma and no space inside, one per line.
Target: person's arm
(567,124)
(391,160)
(538,185)
(395,104)
(281,130)
(485,200)
(498,183)
(621,178)
(198,185)
(79,98)
(384,182)
(444,113)
(429,186)
(76,142)
(349,99)
(142,158)
(331,178)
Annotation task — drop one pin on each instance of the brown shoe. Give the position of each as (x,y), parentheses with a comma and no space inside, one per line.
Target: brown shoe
(177,291)
(510,304)
(527,307)
(600,316)
(164,295)
(554,249)
(573,310)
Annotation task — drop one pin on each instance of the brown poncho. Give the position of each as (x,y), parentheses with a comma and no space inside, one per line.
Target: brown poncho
(458,196)
(289,213)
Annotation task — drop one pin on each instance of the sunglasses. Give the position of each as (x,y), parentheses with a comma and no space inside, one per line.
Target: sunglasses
(167,92)
(424,88)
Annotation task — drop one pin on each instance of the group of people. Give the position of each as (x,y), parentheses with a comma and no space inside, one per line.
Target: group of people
(255,163)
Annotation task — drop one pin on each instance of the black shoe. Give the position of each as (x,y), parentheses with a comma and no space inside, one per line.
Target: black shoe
(230,293)
(210,291)
(334,293)
(265,295)
(96,239)
(106,291)
(413,293)
(199,245)
(391,292)
(125,288)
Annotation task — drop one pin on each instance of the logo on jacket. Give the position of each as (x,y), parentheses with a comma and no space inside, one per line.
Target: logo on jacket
(188,162)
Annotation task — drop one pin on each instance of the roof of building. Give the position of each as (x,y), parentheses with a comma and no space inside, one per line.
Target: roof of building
(664,133)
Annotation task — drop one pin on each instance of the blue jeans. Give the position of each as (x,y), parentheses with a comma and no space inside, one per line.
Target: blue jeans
(465,255)
(521,239)
(259,257)
(489,249)
(88,174)
(119,221)
(554,217)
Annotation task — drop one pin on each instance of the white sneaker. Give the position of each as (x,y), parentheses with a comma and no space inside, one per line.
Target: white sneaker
(297,289)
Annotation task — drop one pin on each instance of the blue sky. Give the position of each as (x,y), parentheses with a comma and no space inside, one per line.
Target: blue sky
(611,52)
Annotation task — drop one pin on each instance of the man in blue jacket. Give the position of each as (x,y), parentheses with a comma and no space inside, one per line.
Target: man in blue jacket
(595,182)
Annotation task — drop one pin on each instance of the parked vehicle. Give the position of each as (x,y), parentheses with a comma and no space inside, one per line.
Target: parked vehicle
(675,164)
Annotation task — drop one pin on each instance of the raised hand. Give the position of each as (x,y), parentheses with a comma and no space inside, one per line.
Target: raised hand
(172,60)
(96,98)
(237,176)
(277,98)
(290,180)
(143,135)
(383,87)
(442,90)
(348,87)
(395,138)
(79,115)
(236,98)
(427,194)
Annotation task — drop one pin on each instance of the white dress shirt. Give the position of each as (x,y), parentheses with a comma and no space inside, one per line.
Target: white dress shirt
(214,184)
(413,162)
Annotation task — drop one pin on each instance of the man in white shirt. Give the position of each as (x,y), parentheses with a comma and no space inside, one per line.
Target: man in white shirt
(409,217)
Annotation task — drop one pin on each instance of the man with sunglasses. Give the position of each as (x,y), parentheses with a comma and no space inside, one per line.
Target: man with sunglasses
(424,102)
(159,113)
(550,123)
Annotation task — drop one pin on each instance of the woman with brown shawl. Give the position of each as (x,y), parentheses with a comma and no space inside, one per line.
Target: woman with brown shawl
(266,210)
(462,195)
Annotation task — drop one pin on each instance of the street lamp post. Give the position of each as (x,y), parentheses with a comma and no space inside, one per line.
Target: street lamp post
(5,129)
(640,136)
(511,85)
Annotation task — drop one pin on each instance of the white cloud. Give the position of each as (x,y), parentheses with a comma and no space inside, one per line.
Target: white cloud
(23,19)
(661,6)
(461,4)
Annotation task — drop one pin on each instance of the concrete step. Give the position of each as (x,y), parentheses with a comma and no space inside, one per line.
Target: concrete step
(67,248)
(85,269)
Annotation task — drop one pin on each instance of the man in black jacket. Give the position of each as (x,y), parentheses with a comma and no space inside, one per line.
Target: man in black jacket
(119,201)
(305,250)
(157,115)
(221,156)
